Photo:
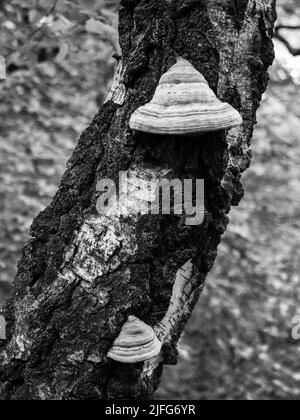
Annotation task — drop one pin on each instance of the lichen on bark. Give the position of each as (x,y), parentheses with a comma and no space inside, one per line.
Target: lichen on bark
(82,274)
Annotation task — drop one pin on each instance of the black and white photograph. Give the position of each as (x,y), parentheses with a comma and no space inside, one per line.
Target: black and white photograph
(149,203)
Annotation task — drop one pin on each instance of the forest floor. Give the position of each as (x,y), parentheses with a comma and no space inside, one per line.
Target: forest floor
(238,343)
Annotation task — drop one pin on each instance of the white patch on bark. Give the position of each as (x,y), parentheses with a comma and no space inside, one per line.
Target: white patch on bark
(117,92)
(182,291)
(76,357)
(95,358)
(20,345)
(100,246)
(43,392)
(142,186)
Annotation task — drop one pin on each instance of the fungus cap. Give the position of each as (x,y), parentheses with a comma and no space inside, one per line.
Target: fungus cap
(136,343)
(184,104)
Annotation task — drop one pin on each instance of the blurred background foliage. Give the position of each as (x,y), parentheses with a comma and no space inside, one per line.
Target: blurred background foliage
(238,344)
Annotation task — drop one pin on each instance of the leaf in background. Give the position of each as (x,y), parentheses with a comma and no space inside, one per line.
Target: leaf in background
(2,68)
(63,52)
(100,28)
(33,15)
(25,4)
(46,4)
(60,26)
(91,4)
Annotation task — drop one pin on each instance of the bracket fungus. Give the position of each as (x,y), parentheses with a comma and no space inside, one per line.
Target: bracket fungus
(184,104)
(136,343)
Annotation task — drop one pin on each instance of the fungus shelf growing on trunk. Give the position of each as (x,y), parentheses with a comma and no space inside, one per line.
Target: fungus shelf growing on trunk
(136,343)
(184,105)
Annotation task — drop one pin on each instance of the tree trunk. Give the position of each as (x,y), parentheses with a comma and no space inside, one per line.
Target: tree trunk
(82,274)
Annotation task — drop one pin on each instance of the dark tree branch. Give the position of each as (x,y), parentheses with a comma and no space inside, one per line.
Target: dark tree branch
(294,51)
(37,30)
(289,27)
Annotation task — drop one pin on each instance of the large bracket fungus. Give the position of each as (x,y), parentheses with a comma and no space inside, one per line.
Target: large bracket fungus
(136,343)
(184,104)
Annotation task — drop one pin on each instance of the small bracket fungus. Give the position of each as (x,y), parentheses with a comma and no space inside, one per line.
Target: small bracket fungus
(184,104)
(136,343)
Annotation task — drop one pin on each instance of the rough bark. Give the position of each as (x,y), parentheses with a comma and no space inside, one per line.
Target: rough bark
(82,274)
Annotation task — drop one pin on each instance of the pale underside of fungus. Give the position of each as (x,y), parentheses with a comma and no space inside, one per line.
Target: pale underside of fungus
(136,343)
(184,104)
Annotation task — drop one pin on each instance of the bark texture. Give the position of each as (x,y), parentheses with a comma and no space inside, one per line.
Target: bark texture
(82,274)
